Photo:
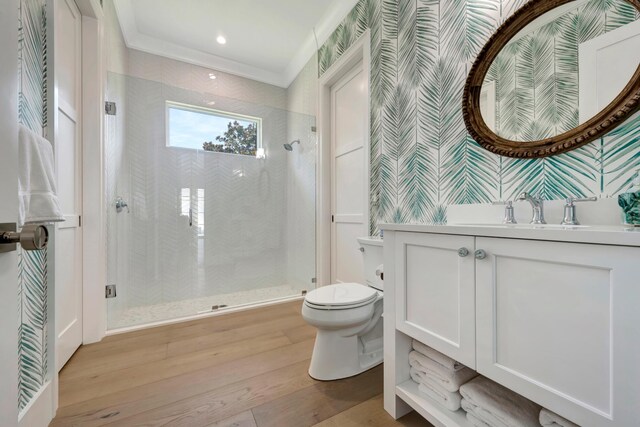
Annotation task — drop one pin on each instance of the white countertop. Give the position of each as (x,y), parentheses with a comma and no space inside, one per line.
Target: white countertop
(597,234)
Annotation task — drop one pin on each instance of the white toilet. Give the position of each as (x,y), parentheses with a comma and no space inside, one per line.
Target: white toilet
(349,320)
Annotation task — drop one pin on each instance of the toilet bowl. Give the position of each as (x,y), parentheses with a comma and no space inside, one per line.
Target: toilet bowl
(348,317)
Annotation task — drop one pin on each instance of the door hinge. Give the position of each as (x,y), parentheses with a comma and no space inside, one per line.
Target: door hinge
(332,218)
(110,291)
(79,220)
(313,280)
(110,108)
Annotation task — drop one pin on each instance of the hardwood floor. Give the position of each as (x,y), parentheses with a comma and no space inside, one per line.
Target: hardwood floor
(244,369)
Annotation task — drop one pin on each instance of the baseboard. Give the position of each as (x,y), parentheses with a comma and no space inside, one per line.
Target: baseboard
(40,411)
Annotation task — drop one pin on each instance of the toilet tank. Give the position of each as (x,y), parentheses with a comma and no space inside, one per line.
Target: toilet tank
(371,248)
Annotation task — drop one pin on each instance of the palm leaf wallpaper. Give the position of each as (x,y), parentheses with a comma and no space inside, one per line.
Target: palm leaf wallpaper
(422,158)
(32,280)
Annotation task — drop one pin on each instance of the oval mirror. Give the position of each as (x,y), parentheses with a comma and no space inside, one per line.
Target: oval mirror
(555,76)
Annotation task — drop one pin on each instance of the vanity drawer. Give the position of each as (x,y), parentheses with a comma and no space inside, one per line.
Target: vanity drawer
(557,323)
(435,292)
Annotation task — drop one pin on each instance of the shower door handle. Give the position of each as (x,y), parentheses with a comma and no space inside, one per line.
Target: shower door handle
(190,217)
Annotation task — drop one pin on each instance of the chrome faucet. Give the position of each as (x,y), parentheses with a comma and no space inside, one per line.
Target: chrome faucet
(537,204)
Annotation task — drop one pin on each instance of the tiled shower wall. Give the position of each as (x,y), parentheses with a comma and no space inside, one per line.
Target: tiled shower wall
(422,158)
(32,283)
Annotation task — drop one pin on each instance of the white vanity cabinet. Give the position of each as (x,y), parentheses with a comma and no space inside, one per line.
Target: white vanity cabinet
(557,321)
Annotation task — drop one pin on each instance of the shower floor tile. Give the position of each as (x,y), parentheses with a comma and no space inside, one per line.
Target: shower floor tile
(136,316)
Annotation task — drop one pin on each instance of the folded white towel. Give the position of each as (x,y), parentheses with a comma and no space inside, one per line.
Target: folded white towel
(449,379)
(551,419)
(498,406)
(442,359)
(37,182)
(475,421)
(434,390)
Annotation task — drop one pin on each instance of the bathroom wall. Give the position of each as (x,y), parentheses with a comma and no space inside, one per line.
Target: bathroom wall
(33,287)
(301,177)
(422,158)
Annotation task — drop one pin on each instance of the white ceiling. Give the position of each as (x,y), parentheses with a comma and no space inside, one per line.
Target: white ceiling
(267,40)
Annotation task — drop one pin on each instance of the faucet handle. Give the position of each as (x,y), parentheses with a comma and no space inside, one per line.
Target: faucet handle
(571,200)
(570,217)
(509,215)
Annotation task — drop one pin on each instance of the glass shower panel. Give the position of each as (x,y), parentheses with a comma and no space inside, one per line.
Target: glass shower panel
(204,229)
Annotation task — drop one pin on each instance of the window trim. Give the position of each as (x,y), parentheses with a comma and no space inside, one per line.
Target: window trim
(211,112)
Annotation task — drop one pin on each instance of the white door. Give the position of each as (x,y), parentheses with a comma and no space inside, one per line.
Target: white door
(349,175)
(9,211)
(607,63)
(67,144)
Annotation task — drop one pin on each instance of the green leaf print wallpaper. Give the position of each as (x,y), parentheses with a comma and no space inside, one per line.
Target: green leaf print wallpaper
(422,158)
(32,283)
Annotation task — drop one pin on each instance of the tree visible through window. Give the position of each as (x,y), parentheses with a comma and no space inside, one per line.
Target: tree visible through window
(212,130)
(237,139)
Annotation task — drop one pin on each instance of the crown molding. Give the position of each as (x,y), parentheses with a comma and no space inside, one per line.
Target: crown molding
(326,25)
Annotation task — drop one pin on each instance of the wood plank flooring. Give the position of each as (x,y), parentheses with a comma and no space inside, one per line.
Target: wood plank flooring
(244,369)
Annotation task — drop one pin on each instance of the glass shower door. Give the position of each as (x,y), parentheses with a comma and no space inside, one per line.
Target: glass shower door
(206,227)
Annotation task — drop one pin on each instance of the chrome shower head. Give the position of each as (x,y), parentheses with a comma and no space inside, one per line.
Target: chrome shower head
(289,147)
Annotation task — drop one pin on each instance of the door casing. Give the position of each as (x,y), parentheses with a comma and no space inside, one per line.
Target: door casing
(359,52)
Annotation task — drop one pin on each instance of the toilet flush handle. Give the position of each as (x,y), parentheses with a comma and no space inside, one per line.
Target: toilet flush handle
(380,272)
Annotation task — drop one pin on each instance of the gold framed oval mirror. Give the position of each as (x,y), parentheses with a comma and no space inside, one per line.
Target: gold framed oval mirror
(529,91)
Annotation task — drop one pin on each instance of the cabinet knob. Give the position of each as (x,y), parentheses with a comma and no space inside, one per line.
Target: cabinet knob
(480,254)
(463,252)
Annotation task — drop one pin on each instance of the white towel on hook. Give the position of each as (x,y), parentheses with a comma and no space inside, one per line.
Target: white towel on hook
(551,419)
(38,200)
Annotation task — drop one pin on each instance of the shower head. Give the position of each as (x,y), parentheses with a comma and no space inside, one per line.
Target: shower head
(289,147)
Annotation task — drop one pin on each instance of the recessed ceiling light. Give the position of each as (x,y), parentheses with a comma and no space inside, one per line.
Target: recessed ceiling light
(221,40)
(212,76)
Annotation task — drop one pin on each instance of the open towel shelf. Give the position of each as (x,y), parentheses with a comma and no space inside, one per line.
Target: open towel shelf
(432,411)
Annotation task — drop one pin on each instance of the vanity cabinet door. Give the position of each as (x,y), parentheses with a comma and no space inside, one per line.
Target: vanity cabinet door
(559,324)
(435,292)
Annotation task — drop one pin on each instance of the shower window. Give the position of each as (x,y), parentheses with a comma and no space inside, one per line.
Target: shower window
(190,126)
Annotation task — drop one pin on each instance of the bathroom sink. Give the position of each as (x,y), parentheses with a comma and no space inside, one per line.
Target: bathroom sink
(528,226)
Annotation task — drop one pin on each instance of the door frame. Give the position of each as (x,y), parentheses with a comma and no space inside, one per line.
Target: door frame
(359,52)
(94,229)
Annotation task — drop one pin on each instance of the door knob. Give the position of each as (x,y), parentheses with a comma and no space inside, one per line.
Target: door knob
(480,254)
(463,252)
(32,237)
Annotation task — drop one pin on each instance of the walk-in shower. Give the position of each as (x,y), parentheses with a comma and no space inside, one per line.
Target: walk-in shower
(200,222)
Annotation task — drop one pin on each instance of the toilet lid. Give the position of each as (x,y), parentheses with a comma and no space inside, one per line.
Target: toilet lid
(341,294)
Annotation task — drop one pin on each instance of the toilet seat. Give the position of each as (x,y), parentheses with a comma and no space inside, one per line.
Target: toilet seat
(341,296)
